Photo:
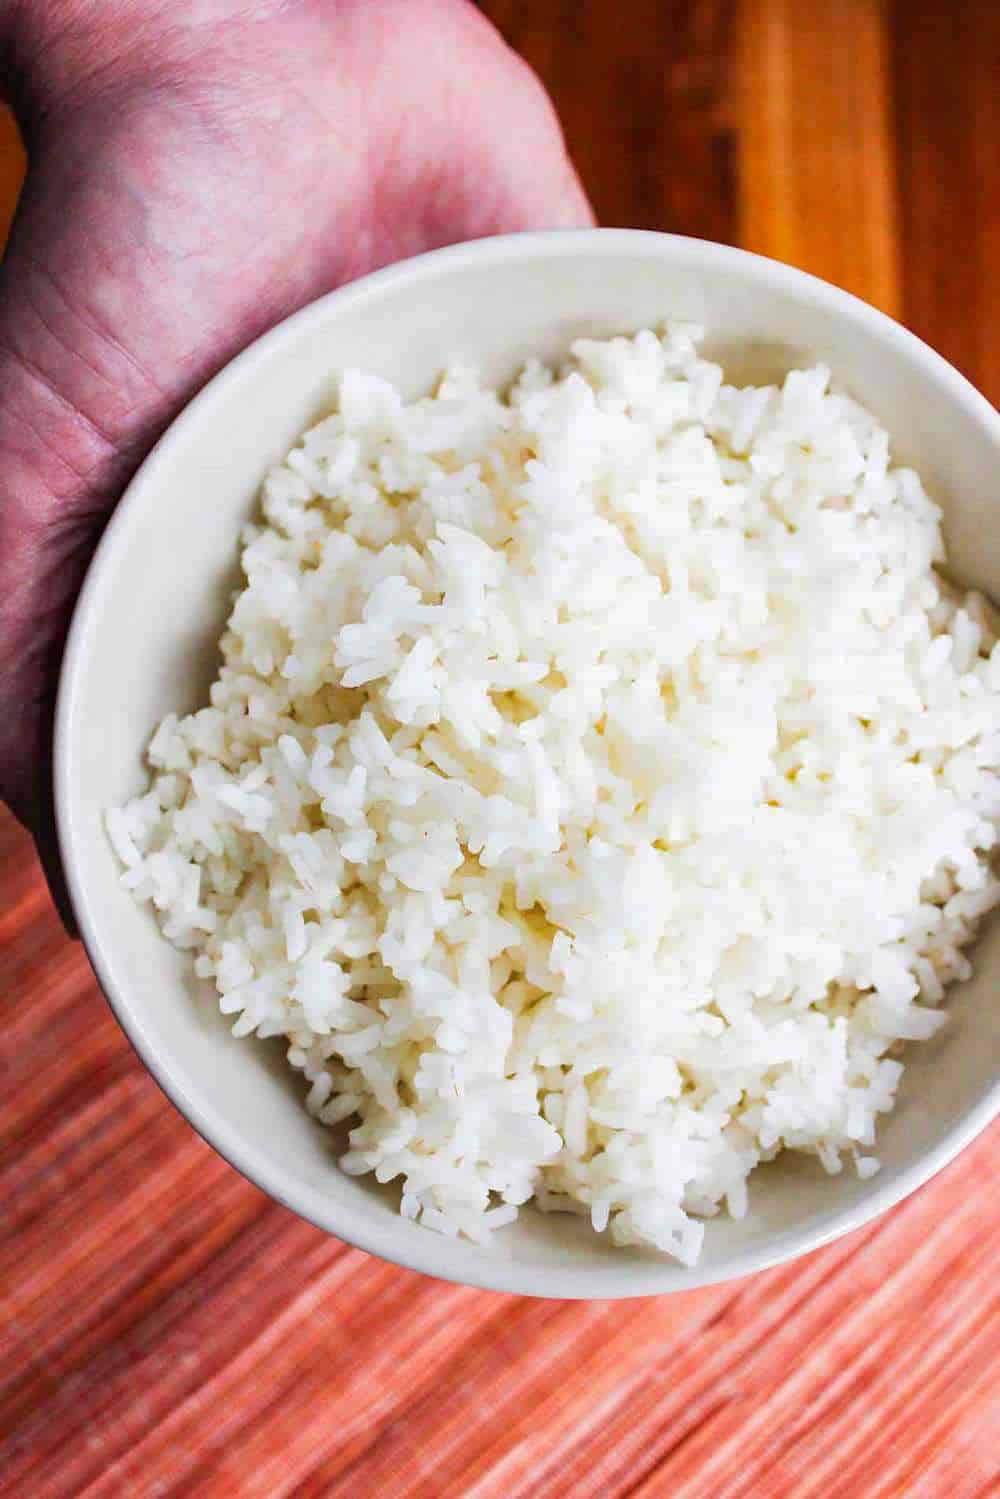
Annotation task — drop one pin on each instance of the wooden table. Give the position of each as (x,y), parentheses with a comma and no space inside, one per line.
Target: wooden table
(170,1331)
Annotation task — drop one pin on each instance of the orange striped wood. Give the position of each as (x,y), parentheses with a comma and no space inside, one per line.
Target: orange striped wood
(169,1331)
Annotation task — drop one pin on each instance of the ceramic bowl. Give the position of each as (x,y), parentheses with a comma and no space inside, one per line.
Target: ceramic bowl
(144,642)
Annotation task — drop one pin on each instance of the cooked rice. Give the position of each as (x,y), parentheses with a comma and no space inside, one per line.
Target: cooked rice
(598,786)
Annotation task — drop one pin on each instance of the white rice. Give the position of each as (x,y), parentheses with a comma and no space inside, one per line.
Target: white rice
(598,786)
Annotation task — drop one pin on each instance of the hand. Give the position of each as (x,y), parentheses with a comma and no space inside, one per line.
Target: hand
(197,170)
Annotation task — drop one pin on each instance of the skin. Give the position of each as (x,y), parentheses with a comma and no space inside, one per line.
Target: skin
(198,170)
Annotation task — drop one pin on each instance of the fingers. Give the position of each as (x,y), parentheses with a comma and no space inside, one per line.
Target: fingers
(479,149)
(572,209)
(554,196)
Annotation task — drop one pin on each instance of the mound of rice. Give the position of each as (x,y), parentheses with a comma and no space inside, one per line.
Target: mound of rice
(599,785)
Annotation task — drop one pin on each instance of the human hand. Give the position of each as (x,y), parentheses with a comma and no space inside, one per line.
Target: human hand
(198,169)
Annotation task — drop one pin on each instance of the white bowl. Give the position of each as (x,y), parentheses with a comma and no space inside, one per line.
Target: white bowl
(143,642)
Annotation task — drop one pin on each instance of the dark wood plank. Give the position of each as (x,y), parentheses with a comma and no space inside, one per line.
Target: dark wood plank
(644,90)
(947,91)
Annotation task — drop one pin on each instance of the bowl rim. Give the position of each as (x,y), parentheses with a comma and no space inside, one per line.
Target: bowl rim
(453,1259)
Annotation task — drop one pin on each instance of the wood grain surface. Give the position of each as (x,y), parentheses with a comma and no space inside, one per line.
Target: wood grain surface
(167,1330)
